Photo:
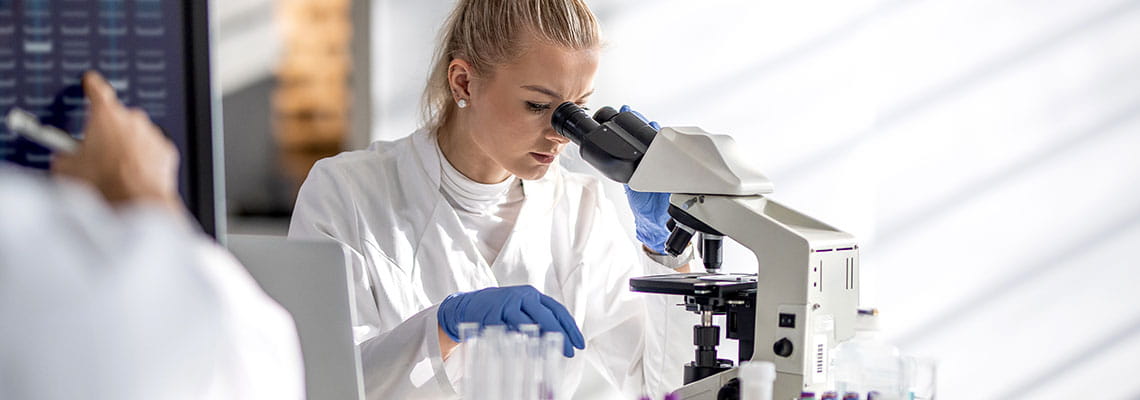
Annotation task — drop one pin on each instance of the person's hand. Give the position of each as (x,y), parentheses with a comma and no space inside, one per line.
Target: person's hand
(654,124)
(123,154)
(650,209)
(650,214)
(511,306)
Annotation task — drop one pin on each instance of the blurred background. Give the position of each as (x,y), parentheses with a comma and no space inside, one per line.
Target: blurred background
(984,152)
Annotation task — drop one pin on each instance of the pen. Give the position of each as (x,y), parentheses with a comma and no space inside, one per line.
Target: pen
(27,125)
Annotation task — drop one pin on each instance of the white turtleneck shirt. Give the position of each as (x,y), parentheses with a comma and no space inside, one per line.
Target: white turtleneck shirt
(487,211)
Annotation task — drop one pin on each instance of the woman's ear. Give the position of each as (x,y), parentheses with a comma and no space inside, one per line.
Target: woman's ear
(459,73)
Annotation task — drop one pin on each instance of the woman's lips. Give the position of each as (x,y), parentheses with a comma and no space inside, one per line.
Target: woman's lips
(544,158)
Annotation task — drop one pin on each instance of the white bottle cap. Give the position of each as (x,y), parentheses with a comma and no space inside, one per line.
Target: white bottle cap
(757,371)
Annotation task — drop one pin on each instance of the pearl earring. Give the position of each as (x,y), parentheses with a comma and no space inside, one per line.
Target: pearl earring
(462,103)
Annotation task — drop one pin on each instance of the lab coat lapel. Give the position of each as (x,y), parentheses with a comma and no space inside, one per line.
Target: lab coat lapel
(446,260)
(526,256)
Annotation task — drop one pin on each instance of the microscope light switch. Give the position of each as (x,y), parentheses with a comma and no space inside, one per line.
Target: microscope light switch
(787,320)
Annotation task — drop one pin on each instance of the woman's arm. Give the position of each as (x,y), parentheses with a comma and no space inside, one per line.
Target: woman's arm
(644,339)
(401,354)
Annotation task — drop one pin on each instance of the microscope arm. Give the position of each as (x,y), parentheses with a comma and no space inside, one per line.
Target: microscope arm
(807,288)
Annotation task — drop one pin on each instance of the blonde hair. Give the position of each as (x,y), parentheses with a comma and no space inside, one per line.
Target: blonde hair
(488,33)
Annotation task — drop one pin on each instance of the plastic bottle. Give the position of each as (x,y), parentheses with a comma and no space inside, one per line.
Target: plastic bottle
(756,380)
(866,363)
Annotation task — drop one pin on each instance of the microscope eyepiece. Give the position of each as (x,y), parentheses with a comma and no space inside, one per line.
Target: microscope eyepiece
(571,121)
(611,141)
(605,114)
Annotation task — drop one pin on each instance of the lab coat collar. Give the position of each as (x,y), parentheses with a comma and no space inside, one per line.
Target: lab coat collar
(425,148)
(522,250)
(540,194)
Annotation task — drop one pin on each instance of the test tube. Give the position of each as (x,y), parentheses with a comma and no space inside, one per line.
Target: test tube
(830,396)
(494,330)
(551,366)
(514,365)
(531,360)
(468,330)
(490,362)
(851,396)
(530,330)
(468,350)
(807,395)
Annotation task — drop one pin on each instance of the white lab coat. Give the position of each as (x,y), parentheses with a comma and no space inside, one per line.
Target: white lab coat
(410,252)
(130,303)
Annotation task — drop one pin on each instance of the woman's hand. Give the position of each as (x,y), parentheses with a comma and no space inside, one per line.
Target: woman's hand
(650,210)
(650,214)
(511,306)
(446,345)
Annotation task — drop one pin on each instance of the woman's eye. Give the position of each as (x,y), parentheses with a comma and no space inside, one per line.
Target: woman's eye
(537,108)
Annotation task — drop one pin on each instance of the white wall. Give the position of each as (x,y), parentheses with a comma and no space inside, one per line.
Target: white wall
(247,42)
(983,151)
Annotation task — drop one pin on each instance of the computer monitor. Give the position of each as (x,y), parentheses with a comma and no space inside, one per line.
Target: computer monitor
(156,55)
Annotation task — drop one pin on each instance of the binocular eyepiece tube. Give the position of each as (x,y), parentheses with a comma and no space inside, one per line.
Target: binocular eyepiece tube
(571,121)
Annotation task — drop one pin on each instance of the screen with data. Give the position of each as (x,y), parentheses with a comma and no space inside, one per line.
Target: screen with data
(155,53)
(48,44)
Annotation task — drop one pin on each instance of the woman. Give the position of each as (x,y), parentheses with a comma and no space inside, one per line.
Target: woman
(472,219)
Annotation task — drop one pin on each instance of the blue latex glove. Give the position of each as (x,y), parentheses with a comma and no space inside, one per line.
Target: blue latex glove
(650,210)
(511,306)
(654,124)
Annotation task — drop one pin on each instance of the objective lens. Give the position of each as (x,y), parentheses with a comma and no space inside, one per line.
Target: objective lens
(571,121)
(678,239)
(712,251)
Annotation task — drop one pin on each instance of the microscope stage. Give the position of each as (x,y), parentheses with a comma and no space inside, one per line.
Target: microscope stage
(695,284)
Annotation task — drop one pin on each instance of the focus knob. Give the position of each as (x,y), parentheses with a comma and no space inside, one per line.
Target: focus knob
(783,348)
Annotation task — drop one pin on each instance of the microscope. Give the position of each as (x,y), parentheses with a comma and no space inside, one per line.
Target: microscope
(803,299)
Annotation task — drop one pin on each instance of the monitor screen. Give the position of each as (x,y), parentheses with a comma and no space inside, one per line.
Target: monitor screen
(151,51)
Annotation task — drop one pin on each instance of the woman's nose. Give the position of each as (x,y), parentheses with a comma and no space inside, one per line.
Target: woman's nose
(554,136)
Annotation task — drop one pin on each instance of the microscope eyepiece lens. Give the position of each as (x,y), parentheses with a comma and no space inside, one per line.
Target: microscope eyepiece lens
(605,114)
(571,121)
